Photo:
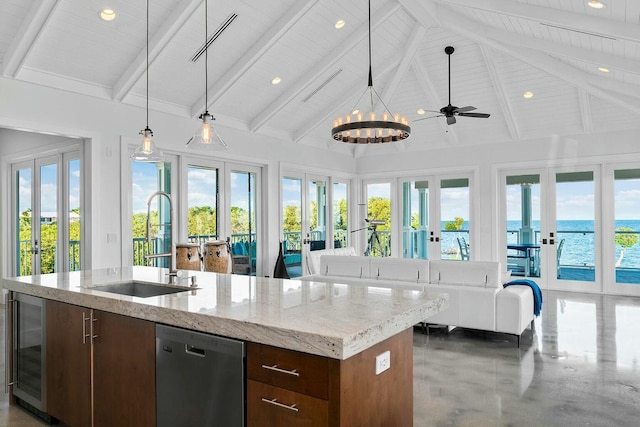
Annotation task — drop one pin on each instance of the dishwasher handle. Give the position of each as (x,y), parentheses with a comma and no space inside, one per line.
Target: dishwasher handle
(194,351)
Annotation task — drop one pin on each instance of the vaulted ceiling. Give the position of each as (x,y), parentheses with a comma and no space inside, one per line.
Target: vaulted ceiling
(503,48)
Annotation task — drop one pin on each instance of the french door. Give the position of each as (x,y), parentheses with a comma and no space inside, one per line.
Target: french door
(552,226)
(304,219)
(621,202)
(46,216)
(436,217)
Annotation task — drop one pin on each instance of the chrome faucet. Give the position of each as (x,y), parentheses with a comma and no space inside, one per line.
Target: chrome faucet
(173,272)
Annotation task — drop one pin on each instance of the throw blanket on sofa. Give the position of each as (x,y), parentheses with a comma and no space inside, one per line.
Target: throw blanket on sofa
(537,293)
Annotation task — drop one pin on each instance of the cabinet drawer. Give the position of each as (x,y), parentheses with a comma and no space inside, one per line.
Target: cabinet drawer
(274,406)
(301,372)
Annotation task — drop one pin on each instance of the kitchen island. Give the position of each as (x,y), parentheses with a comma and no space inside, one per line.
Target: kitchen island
(335,327)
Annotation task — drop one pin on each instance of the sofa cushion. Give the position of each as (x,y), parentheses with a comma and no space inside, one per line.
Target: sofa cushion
(313,257)
(344,266)
(465,273)
(402,269)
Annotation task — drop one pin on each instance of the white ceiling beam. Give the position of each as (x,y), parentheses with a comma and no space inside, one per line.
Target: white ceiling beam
(503,99)
(557,17)
(326,116)
(250,57)
(475,31)
(585,110)
(27,36)
(413,43)
(430,91)
(321,67)
(562,50)
(157,44)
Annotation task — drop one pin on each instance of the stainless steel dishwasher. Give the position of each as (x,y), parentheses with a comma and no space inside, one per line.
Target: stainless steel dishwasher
(200,379)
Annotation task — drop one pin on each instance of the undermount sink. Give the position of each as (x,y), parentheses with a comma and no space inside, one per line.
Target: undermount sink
(139,289)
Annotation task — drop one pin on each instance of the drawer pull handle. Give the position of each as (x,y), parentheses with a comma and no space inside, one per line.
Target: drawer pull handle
(282,371)
(281,405)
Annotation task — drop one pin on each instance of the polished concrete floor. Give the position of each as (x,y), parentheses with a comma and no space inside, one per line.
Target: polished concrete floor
(580,366)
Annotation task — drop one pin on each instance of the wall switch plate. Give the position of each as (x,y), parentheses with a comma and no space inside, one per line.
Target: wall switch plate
(383,362)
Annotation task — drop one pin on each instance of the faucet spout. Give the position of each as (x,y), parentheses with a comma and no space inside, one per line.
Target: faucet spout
(172,259)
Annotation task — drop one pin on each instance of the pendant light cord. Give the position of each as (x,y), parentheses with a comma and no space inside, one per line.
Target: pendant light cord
(206,55)
(147,64)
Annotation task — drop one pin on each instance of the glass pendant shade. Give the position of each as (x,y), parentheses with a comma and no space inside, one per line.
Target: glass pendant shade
(147,150)
(206,136)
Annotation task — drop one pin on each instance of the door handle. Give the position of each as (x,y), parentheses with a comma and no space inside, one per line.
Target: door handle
(544,241)
(35,250)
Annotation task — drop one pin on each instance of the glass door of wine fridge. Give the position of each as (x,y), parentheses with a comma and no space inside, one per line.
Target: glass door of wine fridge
(29,369)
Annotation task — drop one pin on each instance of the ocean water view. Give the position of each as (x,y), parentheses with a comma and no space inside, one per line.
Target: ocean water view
(578,249)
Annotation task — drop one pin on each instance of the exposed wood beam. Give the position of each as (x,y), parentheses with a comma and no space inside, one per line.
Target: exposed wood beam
(585,110)
(430,91)
(475,31)
(27,36)
(241,66)
(415,39)
(558,17)
(563,50)
(321,67)
(505,105)
(325,117)
(157,44)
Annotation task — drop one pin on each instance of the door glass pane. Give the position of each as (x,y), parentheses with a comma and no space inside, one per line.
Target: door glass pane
(243,222)
(454,216)
(340,215)
(575,226)
(48,218)
(415,219)
(379,219)
(317,215)
(74,214)
(202,204)
(627,225)
(292,225)
(148,178)
(523,225)
(23,221)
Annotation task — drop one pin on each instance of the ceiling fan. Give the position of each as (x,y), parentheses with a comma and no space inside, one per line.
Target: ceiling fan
(451,111)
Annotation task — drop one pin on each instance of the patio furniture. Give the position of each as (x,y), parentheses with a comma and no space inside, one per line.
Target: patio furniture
(464,249)
(525,261)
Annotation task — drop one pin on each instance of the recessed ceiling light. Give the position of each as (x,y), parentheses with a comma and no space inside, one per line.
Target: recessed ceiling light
(420,111)
(276,80)
(339,24)
(603,69)
(107,14)
(527,95)
(596,4)
(356,111)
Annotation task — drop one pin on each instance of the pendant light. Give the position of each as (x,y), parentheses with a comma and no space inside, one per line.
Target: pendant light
(359,127)
(147,151)
(206,136)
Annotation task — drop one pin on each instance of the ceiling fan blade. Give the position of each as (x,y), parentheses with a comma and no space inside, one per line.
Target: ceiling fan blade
(451,120)
(425,118)
(478,115)
(465,109)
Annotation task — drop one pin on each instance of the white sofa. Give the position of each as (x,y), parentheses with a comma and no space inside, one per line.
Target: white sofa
(477,298)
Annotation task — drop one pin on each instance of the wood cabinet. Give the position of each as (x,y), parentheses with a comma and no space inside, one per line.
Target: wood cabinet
(290,388)
(100,367)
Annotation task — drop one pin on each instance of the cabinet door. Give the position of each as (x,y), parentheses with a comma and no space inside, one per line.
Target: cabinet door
(124,371)
(68,363)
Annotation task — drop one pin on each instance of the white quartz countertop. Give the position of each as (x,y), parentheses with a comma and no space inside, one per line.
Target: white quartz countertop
(336,320)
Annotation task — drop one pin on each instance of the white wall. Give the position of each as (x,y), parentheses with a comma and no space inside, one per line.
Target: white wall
(105,123)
